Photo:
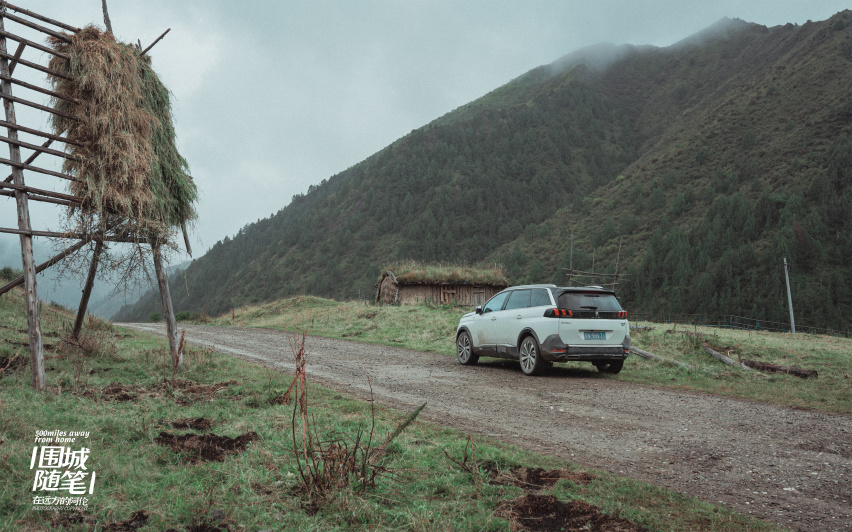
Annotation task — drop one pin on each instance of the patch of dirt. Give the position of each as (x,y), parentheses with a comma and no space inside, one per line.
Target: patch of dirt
(27,344)
(95,371)
(547,513)
(838,447)
(193,392)
(68,519)
(196,448)
(138,519)
(121,392)
(537,478)
(206,527)
(190,392)
(198,423)
(13,363)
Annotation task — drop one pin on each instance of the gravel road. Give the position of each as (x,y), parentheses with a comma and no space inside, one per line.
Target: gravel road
(788,466)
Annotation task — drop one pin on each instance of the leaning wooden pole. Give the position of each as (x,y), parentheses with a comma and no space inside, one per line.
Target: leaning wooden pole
(30,292)
(168,311)
(43,266)
(87,289)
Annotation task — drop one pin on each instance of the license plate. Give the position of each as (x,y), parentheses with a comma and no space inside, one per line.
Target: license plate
(594,335)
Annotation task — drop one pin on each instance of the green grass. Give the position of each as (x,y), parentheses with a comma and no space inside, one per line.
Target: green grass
(432,328)
(257,489)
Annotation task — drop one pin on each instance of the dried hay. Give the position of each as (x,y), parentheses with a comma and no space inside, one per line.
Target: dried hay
(411,272)
(128,165)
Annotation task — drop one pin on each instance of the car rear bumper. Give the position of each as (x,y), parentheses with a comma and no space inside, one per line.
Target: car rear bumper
(554,350)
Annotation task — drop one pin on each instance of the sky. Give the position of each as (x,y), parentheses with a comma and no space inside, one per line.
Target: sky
(270,97)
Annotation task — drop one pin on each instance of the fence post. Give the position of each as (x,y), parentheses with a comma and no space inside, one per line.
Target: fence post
(699,320)
(731,321)
(758,325)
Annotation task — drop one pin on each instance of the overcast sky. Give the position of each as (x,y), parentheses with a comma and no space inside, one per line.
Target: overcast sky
(273,96)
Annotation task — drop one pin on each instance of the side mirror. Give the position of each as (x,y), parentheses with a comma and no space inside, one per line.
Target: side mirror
(478,309)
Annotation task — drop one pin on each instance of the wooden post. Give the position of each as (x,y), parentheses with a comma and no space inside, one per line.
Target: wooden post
(87,289)
(789,297)
(107,22)
(30,292)
(168,312)
(617,260)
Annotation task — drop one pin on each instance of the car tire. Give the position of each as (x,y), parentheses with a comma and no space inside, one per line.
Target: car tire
(530,356)
(464,350)
(612,368)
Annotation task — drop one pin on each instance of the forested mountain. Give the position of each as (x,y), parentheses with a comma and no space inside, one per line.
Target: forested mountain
(713,158)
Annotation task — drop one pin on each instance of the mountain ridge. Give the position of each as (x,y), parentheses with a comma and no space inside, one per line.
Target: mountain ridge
(740,119)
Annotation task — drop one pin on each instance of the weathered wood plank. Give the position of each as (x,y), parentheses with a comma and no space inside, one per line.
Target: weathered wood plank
(30,289)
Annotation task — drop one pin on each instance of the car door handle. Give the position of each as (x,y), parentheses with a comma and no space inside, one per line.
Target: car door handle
(518,317)
(494,318)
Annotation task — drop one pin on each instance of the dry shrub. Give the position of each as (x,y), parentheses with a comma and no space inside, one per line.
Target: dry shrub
(326,467)
(127,166)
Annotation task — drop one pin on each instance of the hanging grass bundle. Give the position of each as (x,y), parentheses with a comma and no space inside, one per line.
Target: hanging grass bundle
(127,165)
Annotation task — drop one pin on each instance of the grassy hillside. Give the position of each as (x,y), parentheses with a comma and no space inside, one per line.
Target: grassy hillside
(714,159)
(146,430)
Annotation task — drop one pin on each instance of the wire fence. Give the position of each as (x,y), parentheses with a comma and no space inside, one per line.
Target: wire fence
(731,321)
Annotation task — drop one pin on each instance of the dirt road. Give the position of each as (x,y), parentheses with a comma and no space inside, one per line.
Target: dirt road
(791,467)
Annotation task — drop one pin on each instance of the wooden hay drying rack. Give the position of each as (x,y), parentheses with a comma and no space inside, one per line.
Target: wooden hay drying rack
(14,185)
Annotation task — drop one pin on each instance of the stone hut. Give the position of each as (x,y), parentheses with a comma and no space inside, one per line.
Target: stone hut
(408,284)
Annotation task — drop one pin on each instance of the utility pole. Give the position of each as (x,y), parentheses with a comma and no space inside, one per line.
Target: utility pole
(789,297)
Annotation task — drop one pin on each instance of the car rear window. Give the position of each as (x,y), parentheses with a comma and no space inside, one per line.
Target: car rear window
(540,298)
(594,301)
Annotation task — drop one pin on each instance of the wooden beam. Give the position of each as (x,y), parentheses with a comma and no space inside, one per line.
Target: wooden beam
(24,166)
(647,354)
(30,289)
(37,27)
(790,370)
(36,132)
(145,51)
(87,290)
(40,107)
(41,149)
(33,44)
(727,360)
(41,18)
(41,192)
(43,266)
(30,159)
(40,89)
(14,62)
(168,311)
(125,239)
(36,66)
(34,197)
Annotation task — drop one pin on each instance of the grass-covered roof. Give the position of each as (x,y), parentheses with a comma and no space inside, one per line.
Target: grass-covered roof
(417,273)
(128,165)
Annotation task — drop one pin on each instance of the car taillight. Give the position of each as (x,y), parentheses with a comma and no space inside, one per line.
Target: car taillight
(557,313)
(622,314)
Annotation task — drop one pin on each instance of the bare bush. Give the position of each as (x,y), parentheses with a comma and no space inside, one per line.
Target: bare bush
(327,466)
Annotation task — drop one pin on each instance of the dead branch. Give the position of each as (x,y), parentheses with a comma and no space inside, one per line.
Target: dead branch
(774,368)
(646,354)
(727,360)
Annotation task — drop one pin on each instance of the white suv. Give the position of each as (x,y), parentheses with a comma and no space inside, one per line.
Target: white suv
(542,324)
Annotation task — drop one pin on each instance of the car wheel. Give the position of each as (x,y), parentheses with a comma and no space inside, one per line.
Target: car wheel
(530,357)
(464,350)
(610,367)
